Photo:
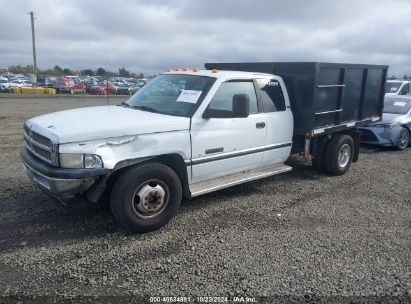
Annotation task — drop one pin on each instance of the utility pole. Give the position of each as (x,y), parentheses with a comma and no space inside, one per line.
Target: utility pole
(34,45)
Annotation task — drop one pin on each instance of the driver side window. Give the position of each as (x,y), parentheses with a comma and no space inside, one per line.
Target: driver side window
(223,98)
(405,89)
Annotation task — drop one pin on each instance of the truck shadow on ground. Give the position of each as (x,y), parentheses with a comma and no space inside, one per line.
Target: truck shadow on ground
(372,149)
(37,220)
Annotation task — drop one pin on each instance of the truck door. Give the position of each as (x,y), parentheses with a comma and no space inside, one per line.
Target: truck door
(221,146)
(279,120)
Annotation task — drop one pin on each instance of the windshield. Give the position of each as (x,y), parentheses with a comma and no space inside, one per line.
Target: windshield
(392,87)
(397,106)
(172,94)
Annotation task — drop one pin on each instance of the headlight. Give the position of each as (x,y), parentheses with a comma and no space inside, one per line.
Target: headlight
(389,126)
(79,161)
(92,161)
(71,160)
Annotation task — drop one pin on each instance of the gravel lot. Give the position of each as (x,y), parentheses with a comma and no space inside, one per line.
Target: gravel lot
(300,234)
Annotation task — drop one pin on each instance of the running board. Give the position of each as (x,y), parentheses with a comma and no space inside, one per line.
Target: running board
(236,179)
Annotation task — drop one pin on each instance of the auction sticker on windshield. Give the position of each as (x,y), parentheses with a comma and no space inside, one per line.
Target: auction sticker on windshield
(190,96)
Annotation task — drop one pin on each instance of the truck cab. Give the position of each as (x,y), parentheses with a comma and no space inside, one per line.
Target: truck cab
(200,125)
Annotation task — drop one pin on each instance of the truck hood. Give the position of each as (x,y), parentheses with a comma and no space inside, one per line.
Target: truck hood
(390,117)
(104,122)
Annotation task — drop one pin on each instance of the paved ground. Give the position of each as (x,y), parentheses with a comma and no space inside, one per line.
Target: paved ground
(300,234)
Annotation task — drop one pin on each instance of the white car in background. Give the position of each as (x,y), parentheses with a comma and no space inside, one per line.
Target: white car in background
(20,83)
(397,87)
(4,85)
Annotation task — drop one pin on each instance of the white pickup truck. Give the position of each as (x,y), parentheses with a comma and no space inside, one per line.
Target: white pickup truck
(190,132)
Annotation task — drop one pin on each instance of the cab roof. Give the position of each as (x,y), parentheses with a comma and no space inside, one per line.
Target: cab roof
(398,80)
(220,74)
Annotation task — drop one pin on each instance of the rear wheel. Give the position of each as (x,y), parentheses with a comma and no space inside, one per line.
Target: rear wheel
(403,139)
(146,197)
(339,154)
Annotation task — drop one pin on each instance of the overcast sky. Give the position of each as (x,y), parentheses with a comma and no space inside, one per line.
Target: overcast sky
(150,36)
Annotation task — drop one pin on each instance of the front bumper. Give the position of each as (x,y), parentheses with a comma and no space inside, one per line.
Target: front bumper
(59,182)
(377,136)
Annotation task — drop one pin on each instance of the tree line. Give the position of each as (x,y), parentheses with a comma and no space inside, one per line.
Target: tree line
(58,71)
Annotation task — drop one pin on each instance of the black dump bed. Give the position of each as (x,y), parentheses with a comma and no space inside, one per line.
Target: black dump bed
(325,97)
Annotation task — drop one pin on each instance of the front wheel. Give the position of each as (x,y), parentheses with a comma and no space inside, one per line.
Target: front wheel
(339,154)
(146,197)
(403,139)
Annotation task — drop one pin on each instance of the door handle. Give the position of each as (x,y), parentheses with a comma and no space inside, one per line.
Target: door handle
(260,125)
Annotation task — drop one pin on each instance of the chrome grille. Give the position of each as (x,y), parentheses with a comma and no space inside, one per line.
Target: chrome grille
(41,146)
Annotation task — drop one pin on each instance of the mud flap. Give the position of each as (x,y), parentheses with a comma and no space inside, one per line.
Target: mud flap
(356,136)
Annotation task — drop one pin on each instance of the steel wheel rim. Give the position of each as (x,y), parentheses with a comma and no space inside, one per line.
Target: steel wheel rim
(150,198)
(403,140)
(344,155)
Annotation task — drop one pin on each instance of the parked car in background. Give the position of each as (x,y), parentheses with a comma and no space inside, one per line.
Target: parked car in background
(125,88)
(395,126)
(141,82)
(46,81)
(79,87)
(103,89)
(20,83)
(89,84)
(397,87)
(64,85)
(4,85)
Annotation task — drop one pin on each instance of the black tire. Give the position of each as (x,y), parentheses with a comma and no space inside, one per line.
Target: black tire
(127,206)
(339,154)
(403,139)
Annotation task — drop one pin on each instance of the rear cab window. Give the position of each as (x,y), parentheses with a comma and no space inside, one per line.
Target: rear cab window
(271,95)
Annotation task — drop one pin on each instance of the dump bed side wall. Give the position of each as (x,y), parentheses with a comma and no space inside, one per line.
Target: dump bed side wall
(325,95)
(347,93)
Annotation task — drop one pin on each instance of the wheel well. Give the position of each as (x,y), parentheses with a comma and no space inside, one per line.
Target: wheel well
(321,142)
(174,161)
(177,164)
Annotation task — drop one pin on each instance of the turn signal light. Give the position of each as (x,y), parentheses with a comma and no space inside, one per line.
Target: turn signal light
(214,71)
(196,69)
(186,69)
(177,69)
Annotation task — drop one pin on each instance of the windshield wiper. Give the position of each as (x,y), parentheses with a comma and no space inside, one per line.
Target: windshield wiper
(146,108)
(124,104)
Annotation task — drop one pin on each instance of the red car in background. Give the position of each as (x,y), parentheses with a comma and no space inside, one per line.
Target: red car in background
(103,89)
(79,87)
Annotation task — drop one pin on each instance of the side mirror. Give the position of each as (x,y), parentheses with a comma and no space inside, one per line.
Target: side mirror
(241,105)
